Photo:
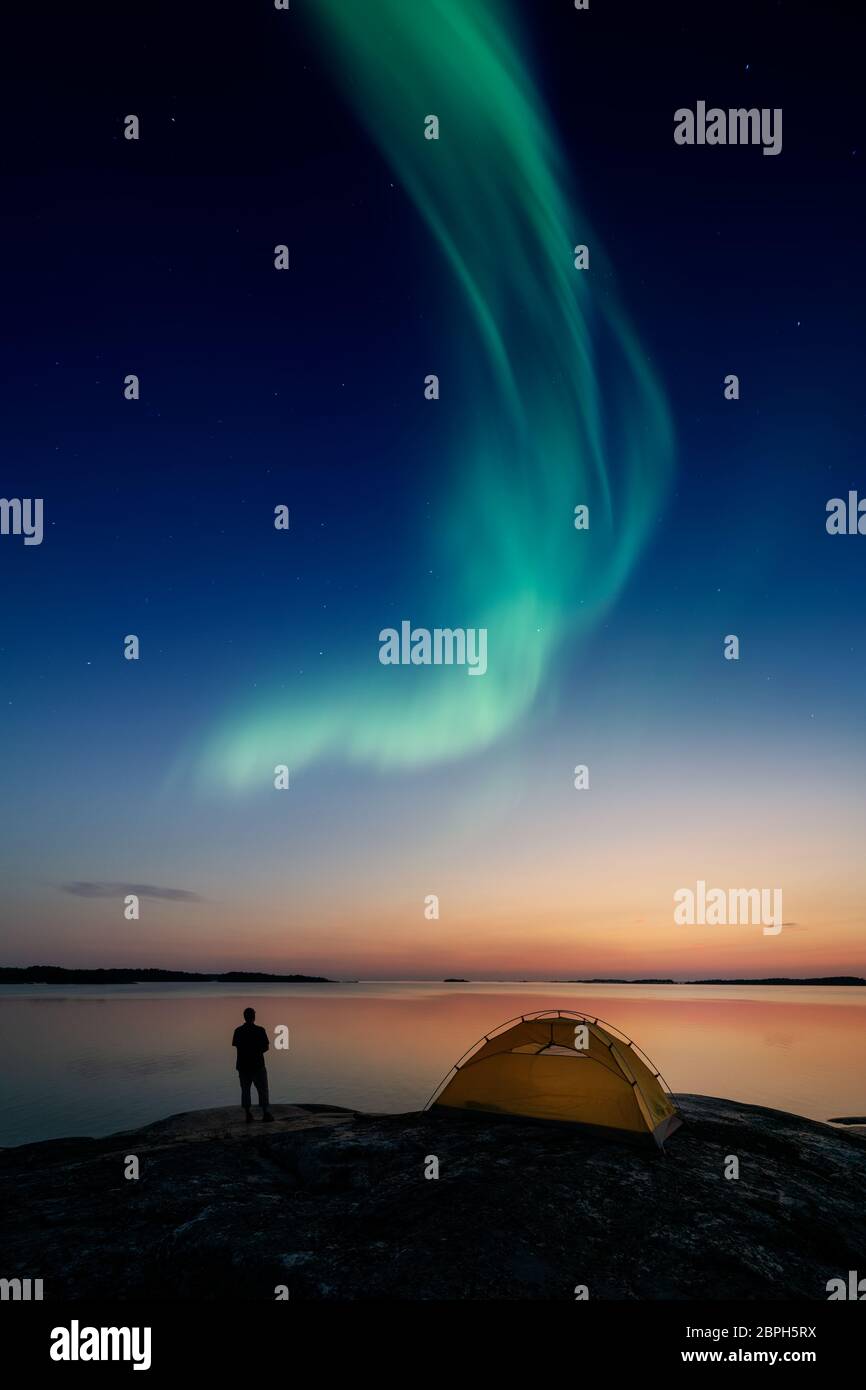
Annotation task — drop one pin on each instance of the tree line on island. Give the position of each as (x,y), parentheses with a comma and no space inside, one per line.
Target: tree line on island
(61,975)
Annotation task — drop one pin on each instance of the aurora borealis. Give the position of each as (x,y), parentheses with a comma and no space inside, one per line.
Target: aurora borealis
(559,387)
(533,426)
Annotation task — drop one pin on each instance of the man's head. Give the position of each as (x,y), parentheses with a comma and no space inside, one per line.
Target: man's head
(250,1015)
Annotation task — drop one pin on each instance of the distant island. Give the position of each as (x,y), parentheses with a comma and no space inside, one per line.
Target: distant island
(618,982)
(769,980)
(59,975)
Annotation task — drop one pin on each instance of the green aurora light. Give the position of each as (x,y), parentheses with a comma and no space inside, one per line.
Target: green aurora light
(565,407)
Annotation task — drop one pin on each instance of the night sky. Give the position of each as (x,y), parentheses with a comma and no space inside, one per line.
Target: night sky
(306,388)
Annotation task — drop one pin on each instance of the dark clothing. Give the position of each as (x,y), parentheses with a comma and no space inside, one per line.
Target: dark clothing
(251,1042)
(257,1077)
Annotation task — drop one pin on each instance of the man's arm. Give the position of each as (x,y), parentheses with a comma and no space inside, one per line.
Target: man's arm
(264,1040)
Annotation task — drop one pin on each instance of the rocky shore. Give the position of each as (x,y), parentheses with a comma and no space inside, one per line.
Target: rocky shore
(334,1204)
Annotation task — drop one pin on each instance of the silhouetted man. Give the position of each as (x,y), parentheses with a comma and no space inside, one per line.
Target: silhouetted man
(252,1044)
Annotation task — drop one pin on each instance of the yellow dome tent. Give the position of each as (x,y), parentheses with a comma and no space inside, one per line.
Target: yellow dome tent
(565,1066)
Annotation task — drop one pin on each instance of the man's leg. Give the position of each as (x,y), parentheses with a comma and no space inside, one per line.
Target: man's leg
(246,1099)
(262,1091)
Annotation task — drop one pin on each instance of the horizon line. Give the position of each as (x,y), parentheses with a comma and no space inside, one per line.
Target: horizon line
(437,979)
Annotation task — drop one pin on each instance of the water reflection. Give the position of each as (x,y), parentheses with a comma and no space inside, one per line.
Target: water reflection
(113,1057)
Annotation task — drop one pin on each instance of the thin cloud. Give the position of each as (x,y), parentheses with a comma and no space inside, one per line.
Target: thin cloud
(85,889)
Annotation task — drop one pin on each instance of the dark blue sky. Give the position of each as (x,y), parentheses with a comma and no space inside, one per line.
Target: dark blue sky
(156,258)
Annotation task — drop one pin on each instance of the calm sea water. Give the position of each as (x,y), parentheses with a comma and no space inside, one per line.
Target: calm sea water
(90,1060)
